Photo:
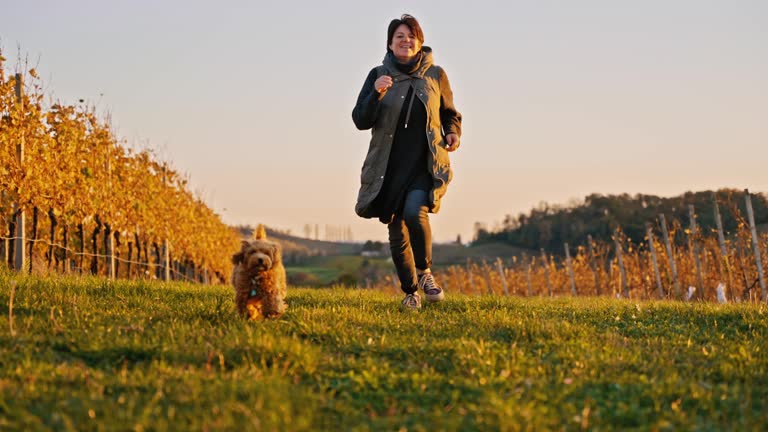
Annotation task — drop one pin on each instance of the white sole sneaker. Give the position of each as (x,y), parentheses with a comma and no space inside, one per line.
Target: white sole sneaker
(434,298)
(411,302)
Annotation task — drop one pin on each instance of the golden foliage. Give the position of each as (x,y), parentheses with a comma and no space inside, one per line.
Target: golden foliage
(74,164)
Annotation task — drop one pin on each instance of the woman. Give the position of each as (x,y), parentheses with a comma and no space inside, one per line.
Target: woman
(408,104)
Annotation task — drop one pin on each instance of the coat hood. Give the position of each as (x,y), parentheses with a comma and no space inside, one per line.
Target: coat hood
(390,63)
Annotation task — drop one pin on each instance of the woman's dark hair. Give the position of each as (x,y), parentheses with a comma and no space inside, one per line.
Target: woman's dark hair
(412,24)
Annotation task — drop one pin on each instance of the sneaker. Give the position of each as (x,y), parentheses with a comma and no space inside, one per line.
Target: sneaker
(411,302)
(431,289)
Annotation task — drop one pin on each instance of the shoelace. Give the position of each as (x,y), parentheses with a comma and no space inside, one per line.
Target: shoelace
(427,283)
(410,300)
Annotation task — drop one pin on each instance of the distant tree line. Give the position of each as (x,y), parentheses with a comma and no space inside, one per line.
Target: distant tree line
(549,226)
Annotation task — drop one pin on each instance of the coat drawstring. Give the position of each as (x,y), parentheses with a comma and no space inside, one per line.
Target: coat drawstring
(410,104)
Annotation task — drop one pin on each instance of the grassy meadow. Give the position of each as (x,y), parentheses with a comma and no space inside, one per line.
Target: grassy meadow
(91,354)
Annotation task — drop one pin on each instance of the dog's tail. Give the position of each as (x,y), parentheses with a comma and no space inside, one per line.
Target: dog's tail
(260,233)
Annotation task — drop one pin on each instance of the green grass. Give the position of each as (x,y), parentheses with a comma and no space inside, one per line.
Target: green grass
(322,275)
(327,270)
(90,354)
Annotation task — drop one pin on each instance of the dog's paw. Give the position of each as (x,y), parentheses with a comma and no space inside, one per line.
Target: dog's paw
(254,310)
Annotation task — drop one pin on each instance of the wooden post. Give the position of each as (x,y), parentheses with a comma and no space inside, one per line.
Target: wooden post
(109,250)
(756,246)
(128,261)
(81,235)
(570,270)
(593,264)
(12,242)
(35,216)
(6,245)
(166,261)
(116,252)
(701,290)
(654,261)
(471,279)
(513,281)
(500,267)
(65,239)
(670,255)
(20,243)
(139,265)
(723,248)
(623,272)
(6,241)
(644,281)
(528,273)
(158,261)
(145,264)
(487,274)
(545,261)
(95,246)
(52,238)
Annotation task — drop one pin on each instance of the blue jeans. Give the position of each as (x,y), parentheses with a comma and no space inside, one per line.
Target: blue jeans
(410,239)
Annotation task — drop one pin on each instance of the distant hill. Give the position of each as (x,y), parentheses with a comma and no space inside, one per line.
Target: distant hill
(295,247)
(550,226)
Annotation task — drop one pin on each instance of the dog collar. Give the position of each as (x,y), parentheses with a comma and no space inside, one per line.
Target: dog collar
(254,282)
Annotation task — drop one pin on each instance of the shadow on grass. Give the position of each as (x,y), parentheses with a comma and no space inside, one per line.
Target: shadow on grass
(107,359)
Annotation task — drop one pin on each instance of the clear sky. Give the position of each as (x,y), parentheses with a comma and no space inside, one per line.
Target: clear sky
(253,99)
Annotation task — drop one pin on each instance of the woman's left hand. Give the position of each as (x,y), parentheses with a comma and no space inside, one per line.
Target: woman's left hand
(451,142)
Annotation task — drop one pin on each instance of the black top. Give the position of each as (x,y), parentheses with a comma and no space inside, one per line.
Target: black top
(407,168)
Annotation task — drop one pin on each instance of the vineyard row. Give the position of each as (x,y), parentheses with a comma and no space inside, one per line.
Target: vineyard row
(64,160)
(720,267)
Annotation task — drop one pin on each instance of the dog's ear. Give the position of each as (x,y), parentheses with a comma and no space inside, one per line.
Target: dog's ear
(276,253)
(240,256)
(260,233)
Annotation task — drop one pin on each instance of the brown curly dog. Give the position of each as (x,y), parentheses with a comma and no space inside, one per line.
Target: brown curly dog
(259,278)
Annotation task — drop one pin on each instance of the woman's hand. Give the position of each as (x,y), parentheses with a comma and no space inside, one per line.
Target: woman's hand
(451,142)
(383,83)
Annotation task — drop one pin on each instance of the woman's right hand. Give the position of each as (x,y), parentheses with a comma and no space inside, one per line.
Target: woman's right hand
(383,83)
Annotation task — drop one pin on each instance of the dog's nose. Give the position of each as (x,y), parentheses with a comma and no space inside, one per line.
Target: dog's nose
(261,261)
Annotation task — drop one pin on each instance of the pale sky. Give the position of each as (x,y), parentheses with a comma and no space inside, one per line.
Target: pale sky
(560,99)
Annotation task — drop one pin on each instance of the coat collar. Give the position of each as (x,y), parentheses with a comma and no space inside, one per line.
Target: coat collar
(394,72)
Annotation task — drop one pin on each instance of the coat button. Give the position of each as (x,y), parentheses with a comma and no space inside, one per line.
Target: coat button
(402,97)
(382,176)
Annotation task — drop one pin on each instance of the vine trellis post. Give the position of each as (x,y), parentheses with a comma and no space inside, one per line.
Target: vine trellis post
(756,246)
(20,262)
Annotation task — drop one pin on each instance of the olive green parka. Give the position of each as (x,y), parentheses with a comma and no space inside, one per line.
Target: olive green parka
(380,113)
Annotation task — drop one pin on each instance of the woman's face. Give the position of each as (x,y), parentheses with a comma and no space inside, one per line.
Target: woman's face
(404,45)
